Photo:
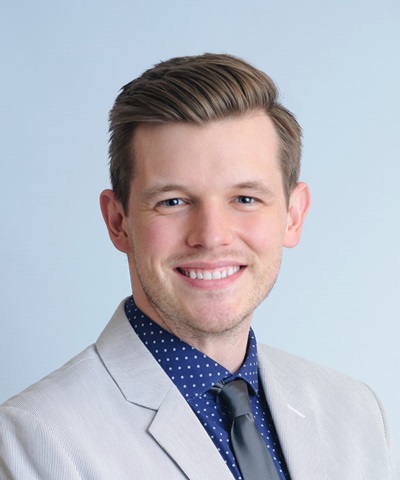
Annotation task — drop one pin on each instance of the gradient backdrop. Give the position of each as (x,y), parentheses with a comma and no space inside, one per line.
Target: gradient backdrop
(337,64)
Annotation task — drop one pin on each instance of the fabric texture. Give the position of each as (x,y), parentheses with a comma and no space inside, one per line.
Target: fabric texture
(113,413)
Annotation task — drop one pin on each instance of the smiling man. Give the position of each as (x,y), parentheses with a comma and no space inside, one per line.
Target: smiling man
(205,194)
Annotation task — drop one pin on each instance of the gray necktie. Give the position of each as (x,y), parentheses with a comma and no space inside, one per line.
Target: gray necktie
(252,455)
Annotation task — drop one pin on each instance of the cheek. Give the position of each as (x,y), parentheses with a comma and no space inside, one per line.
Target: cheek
(264,234)
(154,240)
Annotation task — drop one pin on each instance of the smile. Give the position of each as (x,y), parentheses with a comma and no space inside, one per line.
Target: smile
(201,274)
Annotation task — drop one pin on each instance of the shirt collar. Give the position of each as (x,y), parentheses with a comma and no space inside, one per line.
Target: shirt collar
(192,371)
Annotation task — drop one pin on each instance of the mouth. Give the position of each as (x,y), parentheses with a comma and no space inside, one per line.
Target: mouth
(209,274)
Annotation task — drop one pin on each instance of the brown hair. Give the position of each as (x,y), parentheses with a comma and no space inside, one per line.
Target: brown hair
(197,90)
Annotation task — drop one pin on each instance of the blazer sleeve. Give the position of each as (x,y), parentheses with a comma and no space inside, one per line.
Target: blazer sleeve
(29,450)
(393,453)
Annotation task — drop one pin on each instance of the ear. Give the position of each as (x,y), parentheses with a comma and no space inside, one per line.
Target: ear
(299,204)
(115,219)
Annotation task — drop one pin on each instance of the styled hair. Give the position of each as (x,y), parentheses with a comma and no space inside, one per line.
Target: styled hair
(197,90)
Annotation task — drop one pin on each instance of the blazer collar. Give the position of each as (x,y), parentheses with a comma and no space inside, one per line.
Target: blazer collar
(130,364)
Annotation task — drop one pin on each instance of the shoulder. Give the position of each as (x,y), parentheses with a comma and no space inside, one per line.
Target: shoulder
(313,380)
(39,420)
(76,381)
(291,364)
(83,369)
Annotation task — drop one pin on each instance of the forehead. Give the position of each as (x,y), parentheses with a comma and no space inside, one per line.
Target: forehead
(236,146)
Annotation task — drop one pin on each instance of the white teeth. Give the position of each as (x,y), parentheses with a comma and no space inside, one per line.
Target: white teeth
(211,275)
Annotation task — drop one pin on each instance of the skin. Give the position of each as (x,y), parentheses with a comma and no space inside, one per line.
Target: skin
(206,199)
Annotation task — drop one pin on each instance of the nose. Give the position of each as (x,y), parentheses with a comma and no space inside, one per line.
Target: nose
(210,227)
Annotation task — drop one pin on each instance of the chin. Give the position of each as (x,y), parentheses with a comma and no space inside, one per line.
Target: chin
(216,323)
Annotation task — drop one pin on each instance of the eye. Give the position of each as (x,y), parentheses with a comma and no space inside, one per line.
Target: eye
(171,202)
(245,200)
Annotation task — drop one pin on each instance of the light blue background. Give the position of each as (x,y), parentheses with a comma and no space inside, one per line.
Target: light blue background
(337,64)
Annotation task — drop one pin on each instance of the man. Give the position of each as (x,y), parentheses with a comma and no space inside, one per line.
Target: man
(204,169)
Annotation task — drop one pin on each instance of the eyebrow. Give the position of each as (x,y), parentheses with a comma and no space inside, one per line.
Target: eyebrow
(257,185)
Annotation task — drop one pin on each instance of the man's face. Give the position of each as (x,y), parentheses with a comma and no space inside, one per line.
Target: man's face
(206,224)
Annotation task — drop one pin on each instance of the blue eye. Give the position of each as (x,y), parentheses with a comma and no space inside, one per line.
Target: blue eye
(172,202)
(246,200)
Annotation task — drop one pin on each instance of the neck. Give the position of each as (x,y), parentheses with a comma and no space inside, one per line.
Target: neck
(227,348)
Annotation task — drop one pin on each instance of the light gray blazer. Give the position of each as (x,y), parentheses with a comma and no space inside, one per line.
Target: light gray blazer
(112,413)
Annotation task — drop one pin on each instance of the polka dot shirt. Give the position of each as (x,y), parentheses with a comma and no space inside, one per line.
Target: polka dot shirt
(194,374)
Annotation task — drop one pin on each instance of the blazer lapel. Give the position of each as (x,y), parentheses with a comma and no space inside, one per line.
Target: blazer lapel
(175,427)
(179,432)
(295,422)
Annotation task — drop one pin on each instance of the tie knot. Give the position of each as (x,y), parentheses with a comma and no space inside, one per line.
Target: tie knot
(235,396)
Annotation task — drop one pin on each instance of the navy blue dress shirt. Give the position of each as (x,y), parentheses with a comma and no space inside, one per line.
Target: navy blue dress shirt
(195,373)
